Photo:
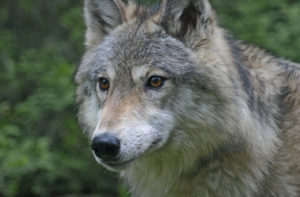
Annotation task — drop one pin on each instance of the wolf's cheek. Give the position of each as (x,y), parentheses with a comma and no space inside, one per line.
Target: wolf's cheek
(145,136)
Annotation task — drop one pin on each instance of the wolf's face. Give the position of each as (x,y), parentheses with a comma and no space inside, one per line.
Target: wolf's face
(140,82)
(133,85)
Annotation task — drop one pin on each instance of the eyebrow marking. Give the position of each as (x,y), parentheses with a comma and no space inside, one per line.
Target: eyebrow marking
(138,72)
(111,72)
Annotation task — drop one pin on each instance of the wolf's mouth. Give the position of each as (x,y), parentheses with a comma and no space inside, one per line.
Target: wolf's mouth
(119,165)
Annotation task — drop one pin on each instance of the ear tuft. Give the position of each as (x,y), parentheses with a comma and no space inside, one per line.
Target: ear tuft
(191,21)
(101,17)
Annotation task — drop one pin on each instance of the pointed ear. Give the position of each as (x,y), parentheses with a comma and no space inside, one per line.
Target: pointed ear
(191,21)
(101,16)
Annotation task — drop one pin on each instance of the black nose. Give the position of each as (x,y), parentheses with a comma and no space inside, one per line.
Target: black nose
(106,146)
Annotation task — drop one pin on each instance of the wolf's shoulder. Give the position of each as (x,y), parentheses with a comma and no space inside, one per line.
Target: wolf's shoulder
(279,82)
(275,81)
(260,61)
(257,57)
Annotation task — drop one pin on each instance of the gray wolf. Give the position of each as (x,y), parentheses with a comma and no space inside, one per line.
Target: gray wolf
(179,108)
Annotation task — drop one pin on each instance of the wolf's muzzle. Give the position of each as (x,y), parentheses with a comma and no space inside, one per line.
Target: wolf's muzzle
(106,146)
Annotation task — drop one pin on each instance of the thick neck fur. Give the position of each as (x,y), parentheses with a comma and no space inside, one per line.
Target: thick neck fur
(230,171)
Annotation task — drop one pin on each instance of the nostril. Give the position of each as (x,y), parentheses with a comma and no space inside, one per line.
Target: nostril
(106,146)
(111,149)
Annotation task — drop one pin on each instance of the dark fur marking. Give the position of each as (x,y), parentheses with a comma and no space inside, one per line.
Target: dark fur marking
(100,20)
(188,19)
(87,91)
(261,108)
(286,65)
(243,72)
(154,143)
(283,107)
(225,151)
(285,92)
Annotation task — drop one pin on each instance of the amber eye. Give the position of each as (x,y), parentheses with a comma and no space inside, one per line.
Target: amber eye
(155,82)
(103,84)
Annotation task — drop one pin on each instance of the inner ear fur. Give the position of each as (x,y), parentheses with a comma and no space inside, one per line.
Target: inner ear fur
(191,21)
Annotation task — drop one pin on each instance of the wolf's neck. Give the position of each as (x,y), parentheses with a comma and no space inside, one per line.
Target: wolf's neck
(153,178)
(214,176)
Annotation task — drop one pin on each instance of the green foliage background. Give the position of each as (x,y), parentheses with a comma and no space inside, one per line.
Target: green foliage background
(42,151)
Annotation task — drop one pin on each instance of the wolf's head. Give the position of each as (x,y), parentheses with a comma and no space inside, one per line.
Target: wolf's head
(151,80)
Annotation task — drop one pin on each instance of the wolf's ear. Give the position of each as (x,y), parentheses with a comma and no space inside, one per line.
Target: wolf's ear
(191,21)
(101,16)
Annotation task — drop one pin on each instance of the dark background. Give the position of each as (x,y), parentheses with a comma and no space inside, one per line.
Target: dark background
(42,150)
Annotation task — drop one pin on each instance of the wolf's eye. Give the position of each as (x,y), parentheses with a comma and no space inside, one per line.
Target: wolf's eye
(103,84)
(155,82)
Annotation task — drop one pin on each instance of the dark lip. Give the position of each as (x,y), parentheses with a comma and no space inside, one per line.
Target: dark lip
(119,164)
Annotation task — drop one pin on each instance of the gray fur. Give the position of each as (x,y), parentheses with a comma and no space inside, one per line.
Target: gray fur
(225,123)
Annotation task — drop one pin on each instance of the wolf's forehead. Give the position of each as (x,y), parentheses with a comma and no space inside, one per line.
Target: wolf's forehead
(130,48)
